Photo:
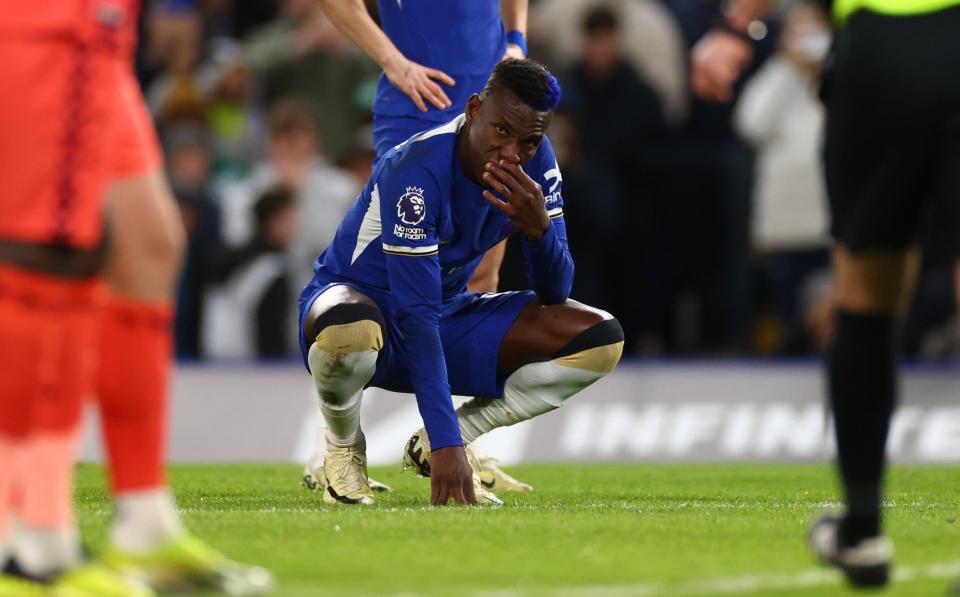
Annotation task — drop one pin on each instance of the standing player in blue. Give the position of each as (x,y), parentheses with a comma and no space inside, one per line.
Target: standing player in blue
(455,42)
(388,305)
(434,56)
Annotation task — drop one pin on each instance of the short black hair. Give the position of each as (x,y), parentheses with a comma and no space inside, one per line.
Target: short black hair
(600,19)
(528,80)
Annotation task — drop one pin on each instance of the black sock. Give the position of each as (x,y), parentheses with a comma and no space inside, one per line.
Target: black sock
(862,375)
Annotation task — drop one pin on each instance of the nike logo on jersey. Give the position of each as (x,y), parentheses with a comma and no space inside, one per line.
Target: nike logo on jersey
(552,195)
(553,173)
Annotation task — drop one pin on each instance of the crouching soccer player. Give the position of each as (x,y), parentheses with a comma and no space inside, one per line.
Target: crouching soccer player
(388,306)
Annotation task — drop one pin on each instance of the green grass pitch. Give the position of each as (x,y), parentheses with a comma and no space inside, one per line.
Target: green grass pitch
(594,530)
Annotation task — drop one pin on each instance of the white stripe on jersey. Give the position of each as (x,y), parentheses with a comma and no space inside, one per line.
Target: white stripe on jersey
(555,212)
(410,250)
(451,127)
(370,227)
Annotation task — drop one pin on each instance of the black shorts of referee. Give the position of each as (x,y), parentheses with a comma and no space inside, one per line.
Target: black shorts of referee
(892,95)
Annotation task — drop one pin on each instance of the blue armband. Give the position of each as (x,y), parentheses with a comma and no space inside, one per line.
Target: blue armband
(516,38)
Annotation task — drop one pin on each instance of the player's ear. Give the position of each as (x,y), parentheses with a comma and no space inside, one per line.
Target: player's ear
(473,106)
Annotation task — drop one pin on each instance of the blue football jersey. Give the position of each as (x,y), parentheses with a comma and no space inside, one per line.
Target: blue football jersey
(417,232)
(463,38)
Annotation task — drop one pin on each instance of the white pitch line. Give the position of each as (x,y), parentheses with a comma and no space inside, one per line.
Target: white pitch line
(737,585)
(616,507)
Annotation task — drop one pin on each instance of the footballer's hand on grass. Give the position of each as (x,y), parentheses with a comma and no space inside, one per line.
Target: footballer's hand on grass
(520,198)
(417,81)
(716,62)
(451,477)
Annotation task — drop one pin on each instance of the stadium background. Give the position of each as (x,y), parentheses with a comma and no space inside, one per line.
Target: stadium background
(669,203)
(700,226)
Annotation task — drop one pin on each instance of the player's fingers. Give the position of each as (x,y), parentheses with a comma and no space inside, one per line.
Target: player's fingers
(497,183)
(442,497)
(415,97)
(505,178)
(501,205)
(457,494)
(520,176)
(435,94)
(495,201)
(434,493)
(418,101)
(440,76)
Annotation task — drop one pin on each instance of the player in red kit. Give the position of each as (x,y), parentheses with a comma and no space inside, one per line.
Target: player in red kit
(136,351)
(94,162)
(55,67)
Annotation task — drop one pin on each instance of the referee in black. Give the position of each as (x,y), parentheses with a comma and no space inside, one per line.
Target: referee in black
(892,95)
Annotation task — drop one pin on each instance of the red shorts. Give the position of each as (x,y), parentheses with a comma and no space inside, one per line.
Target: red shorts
(133,140)
(72,117)
(48,349)
(55,101)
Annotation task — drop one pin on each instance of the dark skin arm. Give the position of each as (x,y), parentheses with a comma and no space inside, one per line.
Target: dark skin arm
(451,477)
(523,203)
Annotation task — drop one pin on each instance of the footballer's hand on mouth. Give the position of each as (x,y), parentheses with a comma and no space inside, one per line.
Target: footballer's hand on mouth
(451,477)
(520,198)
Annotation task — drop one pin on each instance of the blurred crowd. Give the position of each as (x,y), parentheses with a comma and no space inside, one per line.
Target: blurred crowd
(701,226)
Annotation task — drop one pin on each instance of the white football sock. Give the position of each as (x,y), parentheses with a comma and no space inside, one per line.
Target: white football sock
(340,379)
(145,520)
(343,420)
(530,391)
(42,552)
